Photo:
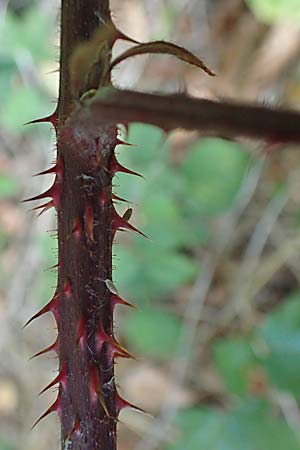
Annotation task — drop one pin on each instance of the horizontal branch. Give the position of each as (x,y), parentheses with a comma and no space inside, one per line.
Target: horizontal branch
(179,111)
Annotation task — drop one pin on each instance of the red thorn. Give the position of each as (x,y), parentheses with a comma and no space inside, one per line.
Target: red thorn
(113,347)
(52,306)
(44,207)
(101,338)
(53,192)
(103,198)
(119,222)
(55,407)
(57,169)
(122,404)
(115,352)
(119,199)
(115,167)
(45,194)
(45,172)
(75,429)
(94,385)
(82,333)
(52,347)
(116,300)
(77,228)
(120,35)
(67,288)
(55,266)
(53,119)
(60,378)
(96,393)
(89,223)
(120,142)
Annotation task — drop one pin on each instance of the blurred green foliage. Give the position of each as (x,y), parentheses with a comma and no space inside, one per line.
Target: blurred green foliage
(250,423)
(25,44)
(250,426)
(5,446)
(280,335)
(275,10)
(8,186)
(176,207)
(153,332)
(273,346)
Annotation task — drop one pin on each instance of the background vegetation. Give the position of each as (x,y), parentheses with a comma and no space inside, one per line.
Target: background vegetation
(217,329)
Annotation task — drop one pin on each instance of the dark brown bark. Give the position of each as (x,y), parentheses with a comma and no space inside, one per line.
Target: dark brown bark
(85,253)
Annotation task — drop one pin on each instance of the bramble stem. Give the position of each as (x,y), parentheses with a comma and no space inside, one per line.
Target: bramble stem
(85,253)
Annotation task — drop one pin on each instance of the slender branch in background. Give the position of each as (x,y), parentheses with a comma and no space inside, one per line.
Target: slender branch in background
(245,277)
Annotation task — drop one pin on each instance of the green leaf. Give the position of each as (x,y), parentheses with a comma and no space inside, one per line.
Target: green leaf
(4,445)
(27,36)
(145,272)
(164,221)
(281,336)
(48,278)
(147,141)
(153,332)
(198,429)
(213,171)
(24,41)
(8,186)
(234,359)
(275,10)
(253,427)
(249,427)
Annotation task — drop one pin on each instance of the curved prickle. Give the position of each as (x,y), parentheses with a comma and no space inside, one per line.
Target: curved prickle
(55,407)
(53,347)
(115,167)
(119,223)
(52,306)
(61,378)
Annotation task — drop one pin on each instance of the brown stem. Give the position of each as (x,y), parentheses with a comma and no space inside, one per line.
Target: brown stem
(174,111)
(87,397)
(79,20)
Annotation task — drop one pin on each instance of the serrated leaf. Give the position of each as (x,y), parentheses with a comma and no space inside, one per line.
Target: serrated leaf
(166,48)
